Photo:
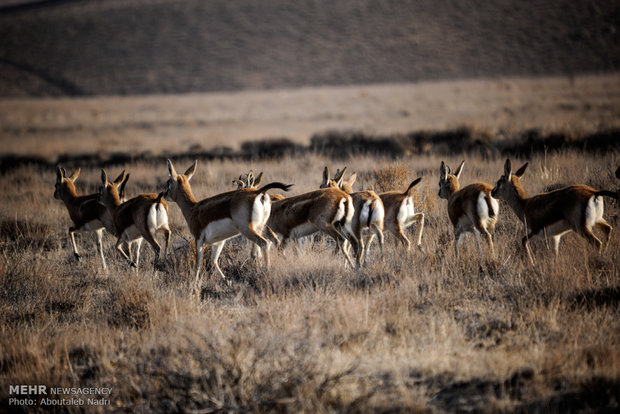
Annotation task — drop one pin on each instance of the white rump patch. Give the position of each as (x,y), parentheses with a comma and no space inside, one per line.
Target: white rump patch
(365,213)
(156,217)
(406,211)
(378,214)
(594,211)
(341,210)
(260,211)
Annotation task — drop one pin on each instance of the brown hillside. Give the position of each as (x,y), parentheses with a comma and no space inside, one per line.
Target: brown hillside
(143,47)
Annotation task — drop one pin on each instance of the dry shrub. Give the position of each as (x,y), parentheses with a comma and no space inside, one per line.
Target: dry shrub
(128,305)
(392,177)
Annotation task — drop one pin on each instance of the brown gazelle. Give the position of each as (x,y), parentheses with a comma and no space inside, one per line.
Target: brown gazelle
(214,220)
(85,212)
(576,207)
(369,210)
(141,217)
(471,208)
(400,214)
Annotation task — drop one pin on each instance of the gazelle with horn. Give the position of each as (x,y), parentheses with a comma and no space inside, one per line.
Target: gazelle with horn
(471,208)
(85,212)
(141,217)
(369,210)
(577,207)
(400,214)
(214,220)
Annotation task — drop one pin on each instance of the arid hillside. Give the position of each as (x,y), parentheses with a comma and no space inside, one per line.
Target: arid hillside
(113,47)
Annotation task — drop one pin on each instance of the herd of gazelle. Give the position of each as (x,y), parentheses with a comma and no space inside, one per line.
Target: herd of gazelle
(351,218)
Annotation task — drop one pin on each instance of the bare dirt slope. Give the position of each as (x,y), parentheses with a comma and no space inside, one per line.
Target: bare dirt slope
(128,47)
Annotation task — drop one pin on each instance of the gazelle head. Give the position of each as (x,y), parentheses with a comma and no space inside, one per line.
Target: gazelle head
(449,182)
(177,185)
(338,180)
(65,185)
(248,181)
(109,191)
(509,182)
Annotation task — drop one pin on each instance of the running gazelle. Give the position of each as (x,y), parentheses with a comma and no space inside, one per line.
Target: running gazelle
(369,210)
(214,220)
(141,217)
(576,207)
(470,209)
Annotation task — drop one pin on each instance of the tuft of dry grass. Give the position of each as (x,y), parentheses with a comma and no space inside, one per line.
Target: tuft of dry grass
(415,332)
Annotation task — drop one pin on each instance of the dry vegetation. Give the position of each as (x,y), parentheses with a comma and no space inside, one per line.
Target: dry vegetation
(417,332)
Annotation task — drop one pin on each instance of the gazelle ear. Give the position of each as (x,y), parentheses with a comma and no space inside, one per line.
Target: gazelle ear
(339,174)
(104,177)
(258,179)
(521,170)
(443,172)
(75,175)
(120,178)
(507,169)
(251,179)
(59,174)
(459,170)
(325,176)
(352,178)
(121,188)
(171,171)
(191,170)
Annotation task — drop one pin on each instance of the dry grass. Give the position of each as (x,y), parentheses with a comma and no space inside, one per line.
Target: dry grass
(417,332)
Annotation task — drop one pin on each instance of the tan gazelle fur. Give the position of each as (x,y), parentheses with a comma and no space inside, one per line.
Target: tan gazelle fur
(576,207)
(369,210)
(471,208)
(85,212)
(328,210)
(400,214)
(214,220)
(141,217)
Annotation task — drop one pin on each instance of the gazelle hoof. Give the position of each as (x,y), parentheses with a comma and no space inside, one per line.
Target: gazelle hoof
(77,256)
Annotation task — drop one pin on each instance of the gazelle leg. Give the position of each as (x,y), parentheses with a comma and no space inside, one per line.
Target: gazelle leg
(199,257)
(606,229)
(419,218)
(72,231)
(215,254)
(99,234)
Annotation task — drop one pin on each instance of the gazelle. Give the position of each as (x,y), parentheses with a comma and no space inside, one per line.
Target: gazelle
(328,210)
(400,214)
(216,219)
(85,212)
(369,210)
(141,217)
(576,207)
(471,209)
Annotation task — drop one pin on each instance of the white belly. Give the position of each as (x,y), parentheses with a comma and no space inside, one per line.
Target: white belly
(131,233)
(219,230)
(303,230)
(92,226)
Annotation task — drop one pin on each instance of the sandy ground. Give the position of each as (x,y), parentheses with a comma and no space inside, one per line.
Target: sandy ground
(159,124)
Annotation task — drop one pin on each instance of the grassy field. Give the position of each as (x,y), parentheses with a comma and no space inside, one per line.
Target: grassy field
(417,332)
